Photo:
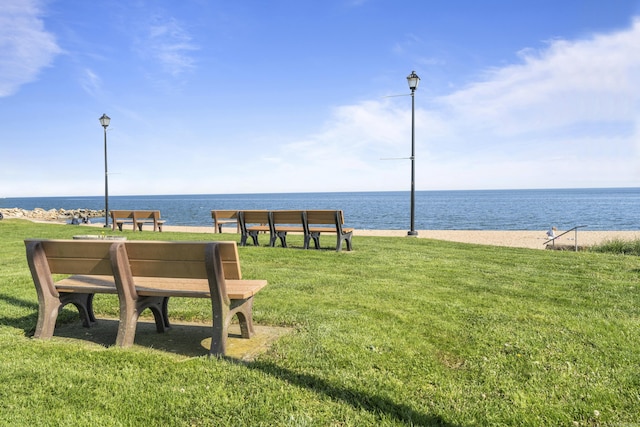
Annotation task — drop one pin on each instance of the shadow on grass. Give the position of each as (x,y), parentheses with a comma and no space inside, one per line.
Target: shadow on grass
(192,340)
(359,400)
(26,323)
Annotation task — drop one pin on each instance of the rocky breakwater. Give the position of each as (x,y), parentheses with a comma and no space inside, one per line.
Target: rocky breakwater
(57,215)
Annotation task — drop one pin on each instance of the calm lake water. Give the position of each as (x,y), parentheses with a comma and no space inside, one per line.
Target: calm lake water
(599,209)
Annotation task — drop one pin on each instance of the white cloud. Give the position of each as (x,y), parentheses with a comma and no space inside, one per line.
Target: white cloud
(570,82)
(565,116)
(167,42)
(25,46)
(91,82)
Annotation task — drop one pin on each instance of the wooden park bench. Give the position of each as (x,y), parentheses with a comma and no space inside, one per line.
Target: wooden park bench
(221,218)
(251,224)
(325,217)
(310,223)
(283,222)
(144,275)
(77,257)
(137,219)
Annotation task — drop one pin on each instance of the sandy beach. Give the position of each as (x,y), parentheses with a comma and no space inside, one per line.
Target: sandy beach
(512,238)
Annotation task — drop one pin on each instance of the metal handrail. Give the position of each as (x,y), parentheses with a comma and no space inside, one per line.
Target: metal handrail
(553,239)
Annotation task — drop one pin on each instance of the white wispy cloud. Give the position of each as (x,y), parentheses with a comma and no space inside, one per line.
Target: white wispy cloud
(167,42)
(25,46)
(570,82)
(91,82)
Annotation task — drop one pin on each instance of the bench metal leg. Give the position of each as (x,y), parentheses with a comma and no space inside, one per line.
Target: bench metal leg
(346,238)
(316,240)
(254,236)
(84,304)
(282,235)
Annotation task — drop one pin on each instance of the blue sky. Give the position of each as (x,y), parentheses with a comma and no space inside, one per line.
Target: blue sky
(219,97)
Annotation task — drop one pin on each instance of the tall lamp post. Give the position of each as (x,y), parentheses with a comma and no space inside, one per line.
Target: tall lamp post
(104,121)
(413,81)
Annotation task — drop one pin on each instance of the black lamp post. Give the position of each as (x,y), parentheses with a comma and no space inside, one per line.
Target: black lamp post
(413,81)
(104,121)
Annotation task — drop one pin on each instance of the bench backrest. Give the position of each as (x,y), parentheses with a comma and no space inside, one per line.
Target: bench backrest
(176,260)
(47,257)
(121,214)
(325,217)
(218,215)
(336,218)
(179,259)
(72,256)
(155,215)
(255,217)
(287,217)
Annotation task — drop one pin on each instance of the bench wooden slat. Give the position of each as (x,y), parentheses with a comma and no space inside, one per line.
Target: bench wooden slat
(79,266)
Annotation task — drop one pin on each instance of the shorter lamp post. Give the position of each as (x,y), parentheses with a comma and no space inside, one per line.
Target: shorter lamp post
(413,81)
(104,121)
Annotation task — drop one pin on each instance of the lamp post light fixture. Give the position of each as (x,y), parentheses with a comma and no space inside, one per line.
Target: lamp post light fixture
(413,81)
(104,121)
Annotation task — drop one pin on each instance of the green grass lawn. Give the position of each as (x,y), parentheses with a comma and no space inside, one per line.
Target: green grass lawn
(400,331)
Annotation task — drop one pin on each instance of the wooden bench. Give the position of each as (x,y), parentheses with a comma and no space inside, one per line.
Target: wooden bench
(335,218)
(251,224)
(224,217)
(77,257)
(144,275)
(137,219)
(283,222)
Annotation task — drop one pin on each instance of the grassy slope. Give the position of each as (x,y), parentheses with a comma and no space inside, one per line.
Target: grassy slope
(399,331)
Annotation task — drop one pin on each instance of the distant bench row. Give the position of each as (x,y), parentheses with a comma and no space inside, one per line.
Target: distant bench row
(136,219)
(311,223)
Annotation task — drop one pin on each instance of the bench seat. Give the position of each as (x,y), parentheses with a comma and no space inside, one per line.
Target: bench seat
(195,288)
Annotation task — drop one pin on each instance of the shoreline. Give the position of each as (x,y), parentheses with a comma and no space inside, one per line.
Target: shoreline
(530,239)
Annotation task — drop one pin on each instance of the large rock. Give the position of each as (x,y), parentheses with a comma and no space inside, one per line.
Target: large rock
(40,214)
